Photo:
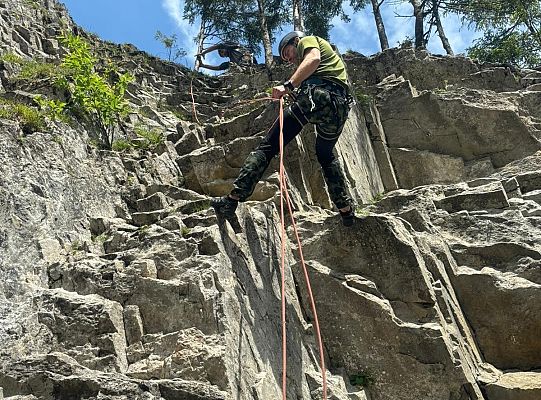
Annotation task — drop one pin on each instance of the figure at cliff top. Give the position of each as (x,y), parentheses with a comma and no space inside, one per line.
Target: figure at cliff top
(321,97)
(236,53)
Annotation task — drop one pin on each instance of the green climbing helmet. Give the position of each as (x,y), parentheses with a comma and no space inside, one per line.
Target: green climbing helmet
(288,39)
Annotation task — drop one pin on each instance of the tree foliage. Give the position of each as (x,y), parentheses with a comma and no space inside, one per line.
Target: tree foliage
(235,20)
(318,15)
(512,29)
(515,48)
(174,52)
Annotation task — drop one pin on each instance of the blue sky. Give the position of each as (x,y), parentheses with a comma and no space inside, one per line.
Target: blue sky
(136,22)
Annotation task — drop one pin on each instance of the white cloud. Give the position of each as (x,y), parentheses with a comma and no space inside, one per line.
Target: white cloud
(174,9)
(187,32)
(359,34)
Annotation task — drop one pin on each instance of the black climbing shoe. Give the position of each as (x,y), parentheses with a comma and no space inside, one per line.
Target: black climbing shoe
(348,217)
(224,206)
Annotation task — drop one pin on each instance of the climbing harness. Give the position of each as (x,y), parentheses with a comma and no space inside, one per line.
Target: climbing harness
(284,196)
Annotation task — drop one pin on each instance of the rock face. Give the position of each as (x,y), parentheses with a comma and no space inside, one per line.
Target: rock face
(447,119)
(118,282)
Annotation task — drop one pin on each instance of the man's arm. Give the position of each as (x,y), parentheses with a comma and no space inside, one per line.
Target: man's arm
(309,64)
(221,67)
(212,48)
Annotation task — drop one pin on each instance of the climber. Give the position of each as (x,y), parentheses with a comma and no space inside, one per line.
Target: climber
(237,54)
(322,98)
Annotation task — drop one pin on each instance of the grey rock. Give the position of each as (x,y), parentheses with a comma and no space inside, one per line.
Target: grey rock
(473,201)
(118,282)
(511,299)
(172,223)
(145,268)
(528,208)
(529,181)
(83,324)
(133,325)
(154,202)
(147,218)
(99,225)
(422,167)
(534,195)
(515,385)
(183,128)
(512,188)
(187,143)
(485,181)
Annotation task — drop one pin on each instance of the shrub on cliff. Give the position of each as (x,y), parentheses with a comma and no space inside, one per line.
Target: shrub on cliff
(97,98)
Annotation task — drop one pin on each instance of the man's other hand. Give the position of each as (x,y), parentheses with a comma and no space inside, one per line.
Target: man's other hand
(279,91)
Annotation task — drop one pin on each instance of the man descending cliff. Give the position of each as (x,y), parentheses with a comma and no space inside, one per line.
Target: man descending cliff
(322,98)
(236,53)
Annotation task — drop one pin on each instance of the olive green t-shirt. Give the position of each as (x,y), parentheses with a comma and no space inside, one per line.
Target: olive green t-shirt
(331,65)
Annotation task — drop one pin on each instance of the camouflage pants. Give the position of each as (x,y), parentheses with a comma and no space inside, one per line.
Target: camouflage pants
(321,104)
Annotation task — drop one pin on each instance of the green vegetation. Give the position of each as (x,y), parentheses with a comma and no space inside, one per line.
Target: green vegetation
(54,109)
(146,139)
(96,95)
(33,70)
(151,137)
(76,246)
(143,231)
(130,180)
(361,97)
(512,29)
(100,239)
(185,231)
(515,48)
(94,143)
(57,139)
(377,198)
(98,101)
(362,210)
(34,3)
(362,379)
(12,58)
(443,89)
(194,206)
(180,114)
(121,145)
(174,52)
(30,119)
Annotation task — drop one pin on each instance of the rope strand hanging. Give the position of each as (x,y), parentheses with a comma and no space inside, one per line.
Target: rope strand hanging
(284,195)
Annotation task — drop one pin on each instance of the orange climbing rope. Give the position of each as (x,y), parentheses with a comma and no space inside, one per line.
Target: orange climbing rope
(193,103)
(285,195)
